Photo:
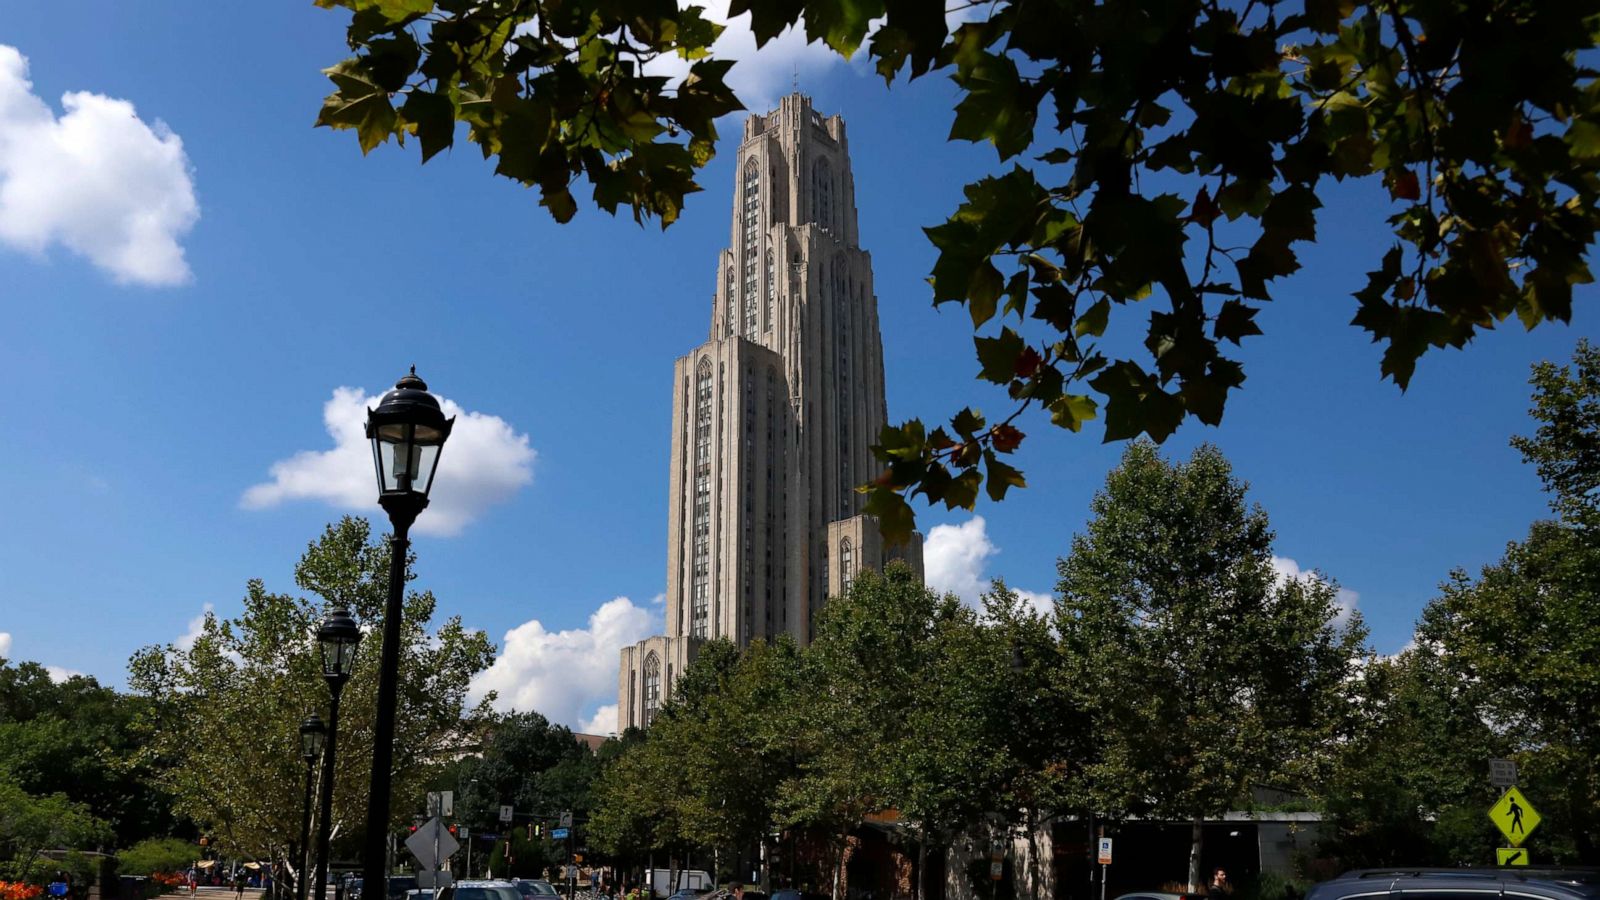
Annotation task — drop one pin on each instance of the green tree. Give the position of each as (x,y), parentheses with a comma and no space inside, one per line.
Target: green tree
(1174,152)
(156,855)
(29,825)
(1206,675)
(76,738)
(225,712)
(1411,783)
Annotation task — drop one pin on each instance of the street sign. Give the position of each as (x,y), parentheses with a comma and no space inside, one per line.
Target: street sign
(997,870)
(463,833)
(1105,851)
(566,819)
(505,813)
(432,844)
(560,834)
(1514,816)
(441,803)
(1502,772)
(1510,856)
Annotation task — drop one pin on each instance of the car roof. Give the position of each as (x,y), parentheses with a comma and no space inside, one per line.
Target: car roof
(1543,881)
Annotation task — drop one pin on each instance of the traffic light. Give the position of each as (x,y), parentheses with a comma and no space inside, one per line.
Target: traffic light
(452,829)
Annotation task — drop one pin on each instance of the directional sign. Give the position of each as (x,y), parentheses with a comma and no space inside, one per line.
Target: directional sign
(505,813)
(1514,816)
(566,819)
(560,834)
(432,844)
(1510,856)
(1502,772)
(1105,851)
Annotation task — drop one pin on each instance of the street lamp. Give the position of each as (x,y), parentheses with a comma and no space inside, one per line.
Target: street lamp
(313,734)
(337,638)
(407,430)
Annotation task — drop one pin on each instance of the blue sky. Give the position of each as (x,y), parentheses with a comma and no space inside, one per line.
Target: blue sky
(141,415)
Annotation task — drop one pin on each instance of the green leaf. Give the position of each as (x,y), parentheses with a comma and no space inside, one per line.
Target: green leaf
(1094,319)
(896,521)
(432,118)
(1070,411)
(1235,321)
(359,103)
(998,355)
(1001,477)
(997,107)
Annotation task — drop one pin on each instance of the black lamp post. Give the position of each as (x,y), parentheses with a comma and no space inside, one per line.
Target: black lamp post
(407,430)
(312,736)
(336,641)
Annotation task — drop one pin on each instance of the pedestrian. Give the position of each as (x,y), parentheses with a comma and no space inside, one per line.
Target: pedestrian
(1219,889)
(736,891)
(238,886)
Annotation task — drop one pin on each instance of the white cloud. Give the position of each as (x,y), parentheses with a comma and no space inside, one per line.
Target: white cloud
(97,180)
(59,674)
(5,645)
(484,462)
(1345,600)
(197,627)
(955,560)
(563,675)
(604,721)
(759,77)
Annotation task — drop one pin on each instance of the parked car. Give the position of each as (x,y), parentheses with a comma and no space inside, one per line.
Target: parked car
(1521,883)
(689,893)
(534,888)
(483,890)
(793,894)
(401,885)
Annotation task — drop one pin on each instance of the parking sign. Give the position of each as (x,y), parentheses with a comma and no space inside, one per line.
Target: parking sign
(1105,851)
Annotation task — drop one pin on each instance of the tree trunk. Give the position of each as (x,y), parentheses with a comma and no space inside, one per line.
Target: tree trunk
(1033,854)
(922,864)
(838,865)
(1196,845)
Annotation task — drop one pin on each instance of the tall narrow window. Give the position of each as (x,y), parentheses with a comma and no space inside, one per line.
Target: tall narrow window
(700,590)
(847,566)
(752,230)
(822,193)
(652,687)
(772,289)
(733,302)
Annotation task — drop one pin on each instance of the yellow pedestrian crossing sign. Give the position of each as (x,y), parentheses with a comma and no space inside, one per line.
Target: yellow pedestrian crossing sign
(1514,816)
(1510,856)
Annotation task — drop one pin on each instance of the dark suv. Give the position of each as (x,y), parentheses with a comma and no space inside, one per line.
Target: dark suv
(1522,883)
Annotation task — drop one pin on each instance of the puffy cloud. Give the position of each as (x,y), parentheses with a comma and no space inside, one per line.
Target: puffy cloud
(59,674)
(485,462)
(955,560)
(1345,600)
(197,627)
(97,180)
(567,676)
(604,721)
(5,645)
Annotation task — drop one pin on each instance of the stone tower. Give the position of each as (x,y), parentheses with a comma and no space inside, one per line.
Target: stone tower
(774,416)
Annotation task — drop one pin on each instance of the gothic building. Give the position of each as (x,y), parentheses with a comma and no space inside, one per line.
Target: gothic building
(774,416)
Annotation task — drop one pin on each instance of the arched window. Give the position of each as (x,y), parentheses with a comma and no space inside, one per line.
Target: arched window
(652,686)
(733,302)
(822,193)
(847,568)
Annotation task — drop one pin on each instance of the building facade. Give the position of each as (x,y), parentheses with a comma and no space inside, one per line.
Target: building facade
(773,417)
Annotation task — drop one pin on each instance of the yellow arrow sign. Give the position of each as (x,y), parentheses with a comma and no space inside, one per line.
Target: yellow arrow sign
(1510,856)
(1514,816)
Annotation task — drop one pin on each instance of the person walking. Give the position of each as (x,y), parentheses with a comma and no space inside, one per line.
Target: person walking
(1219,888)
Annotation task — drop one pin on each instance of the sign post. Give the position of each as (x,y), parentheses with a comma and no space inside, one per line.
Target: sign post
(1104,855)
(432,844)
(505,813)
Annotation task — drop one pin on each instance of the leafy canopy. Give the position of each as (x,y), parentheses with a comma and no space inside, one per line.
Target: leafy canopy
(1168,153)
